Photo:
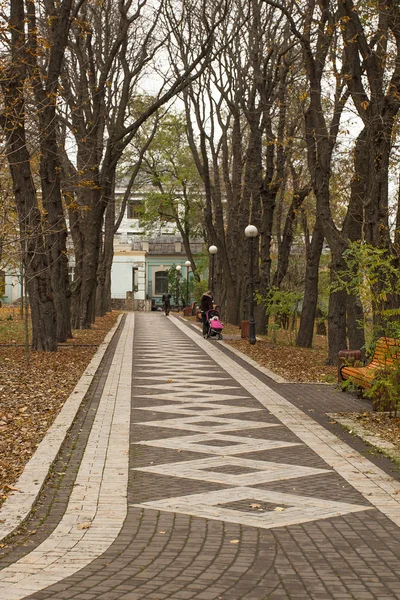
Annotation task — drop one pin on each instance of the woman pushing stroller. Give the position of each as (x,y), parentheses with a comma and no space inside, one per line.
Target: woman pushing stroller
(212,326)
(206,304)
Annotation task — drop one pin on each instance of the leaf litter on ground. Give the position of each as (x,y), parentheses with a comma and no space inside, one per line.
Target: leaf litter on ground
(33,393)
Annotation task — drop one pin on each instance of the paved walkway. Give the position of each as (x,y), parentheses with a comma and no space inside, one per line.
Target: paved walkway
(189,475)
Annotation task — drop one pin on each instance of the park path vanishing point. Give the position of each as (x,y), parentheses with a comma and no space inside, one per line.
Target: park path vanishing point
(198,480)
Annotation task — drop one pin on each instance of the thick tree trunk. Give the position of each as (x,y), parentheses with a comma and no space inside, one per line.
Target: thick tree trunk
(103,292)
(35,260)
(352,231)
(355,320)
(84,290)
(337,311)
(36,266)
(56,234)
(306,329)
(45,79)
(87,297)
(376,201)
(268,198)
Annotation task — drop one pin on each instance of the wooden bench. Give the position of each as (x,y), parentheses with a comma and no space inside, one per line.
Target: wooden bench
(387,351)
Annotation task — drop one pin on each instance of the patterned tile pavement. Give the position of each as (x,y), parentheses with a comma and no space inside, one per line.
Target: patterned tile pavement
(201,478)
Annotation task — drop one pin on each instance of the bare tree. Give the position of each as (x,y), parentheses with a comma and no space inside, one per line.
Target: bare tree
(240,110)
(315,29)
(104,72)
(19,71)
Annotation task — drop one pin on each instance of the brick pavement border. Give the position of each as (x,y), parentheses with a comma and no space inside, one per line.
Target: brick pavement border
(19,504)
(97,506)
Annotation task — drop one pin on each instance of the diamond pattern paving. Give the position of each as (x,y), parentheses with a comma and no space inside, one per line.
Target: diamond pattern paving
(232,492)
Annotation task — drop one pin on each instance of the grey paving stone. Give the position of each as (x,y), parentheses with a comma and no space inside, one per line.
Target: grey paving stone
(182,555)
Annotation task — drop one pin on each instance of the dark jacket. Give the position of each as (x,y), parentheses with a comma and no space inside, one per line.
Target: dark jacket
(166,298)
(206,303)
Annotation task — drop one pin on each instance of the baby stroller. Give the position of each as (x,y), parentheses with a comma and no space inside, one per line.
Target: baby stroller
(215,326)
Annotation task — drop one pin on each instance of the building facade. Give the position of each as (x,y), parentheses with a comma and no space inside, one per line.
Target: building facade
(10,286)
(140,264)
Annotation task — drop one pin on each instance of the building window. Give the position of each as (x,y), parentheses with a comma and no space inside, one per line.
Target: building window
(134,210)
(2,283)
(161,283)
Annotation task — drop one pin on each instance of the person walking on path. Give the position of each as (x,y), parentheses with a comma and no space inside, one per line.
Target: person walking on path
(206,305)
(166,300)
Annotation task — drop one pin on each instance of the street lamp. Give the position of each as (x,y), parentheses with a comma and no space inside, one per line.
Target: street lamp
(251,232)
(213,251)
(178,274)
(187,265)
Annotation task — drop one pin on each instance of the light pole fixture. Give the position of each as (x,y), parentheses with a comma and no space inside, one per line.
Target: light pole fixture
(187,265)
(178,274)
(213,251)
(251,232)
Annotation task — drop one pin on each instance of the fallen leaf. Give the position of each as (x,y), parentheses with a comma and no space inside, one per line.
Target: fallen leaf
(84,525)
(255,505)
(279,508)
(234,541)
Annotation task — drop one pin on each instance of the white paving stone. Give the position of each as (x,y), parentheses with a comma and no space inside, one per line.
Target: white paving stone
(289,509)
(191,396)
(205,408)
(206,469)
(204,443)
(207,424)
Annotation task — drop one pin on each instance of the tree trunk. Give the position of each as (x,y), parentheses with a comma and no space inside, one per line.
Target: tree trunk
(268,198)
(103,292)
(45,78)
(352,230)
(36,266)
(355,331)
(306,329)
(12,119)
(337,311)
(287,238)
(84,291)
(55,233)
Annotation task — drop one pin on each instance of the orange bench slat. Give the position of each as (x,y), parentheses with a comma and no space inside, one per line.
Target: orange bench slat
(387,351)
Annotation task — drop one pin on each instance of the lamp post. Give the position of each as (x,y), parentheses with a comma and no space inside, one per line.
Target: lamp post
(178,274)
(251,232)
(187,265)
(213,251)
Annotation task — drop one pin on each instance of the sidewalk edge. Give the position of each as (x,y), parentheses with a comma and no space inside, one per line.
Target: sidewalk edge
(366,435)
(19,504)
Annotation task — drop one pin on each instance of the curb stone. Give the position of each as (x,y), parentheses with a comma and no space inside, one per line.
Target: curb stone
(19,504)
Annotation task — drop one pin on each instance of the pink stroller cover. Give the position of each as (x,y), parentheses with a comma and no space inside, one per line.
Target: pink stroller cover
(215,323)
